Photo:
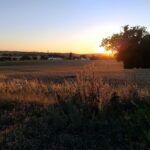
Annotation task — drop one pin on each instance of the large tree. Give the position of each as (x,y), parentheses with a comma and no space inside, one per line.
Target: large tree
(132,45)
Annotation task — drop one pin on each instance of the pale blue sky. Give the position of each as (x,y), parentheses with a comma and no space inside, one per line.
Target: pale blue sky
(66,25)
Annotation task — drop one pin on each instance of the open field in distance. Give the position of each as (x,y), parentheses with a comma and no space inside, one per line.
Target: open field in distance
(110,69)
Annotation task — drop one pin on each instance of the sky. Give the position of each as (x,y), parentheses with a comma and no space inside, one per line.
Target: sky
(66,25)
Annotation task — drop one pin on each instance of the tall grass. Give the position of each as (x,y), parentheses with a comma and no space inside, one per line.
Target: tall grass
(83,113)
(88,86)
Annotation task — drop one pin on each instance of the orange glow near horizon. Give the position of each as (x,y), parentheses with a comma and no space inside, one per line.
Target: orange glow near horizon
(102,50)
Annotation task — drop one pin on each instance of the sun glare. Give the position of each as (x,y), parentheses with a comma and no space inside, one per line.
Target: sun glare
(102,50)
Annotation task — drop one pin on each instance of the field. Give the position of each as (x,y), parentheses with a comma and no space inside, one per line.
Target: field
(67,105)
(61,68)
(58,70)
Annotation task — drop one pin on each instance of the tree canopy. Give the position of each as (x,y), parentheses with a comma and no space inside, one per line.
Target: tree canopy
(132,45)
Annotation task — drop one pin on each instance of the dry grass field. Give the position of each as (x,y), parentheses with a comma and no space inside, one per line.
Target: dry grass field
(60,68)
(29,69)
(39,81)
(35,80)
(56,104)
(109,69)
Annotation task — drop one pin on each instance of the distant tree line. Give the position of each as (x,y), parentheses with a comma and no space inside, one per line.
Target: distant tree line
(9,56)
(132,46)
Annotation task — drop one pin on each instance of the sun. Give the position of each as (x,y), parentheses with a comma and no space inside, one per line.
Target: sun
(102,50)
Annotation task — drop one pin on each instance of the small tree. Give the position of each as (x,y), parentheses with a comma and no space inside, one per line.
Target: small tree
(70,56)
(132,46)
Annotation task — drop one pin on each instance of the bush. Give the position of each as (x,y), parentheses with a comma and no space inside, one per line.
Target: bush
(25,57)
(5,58)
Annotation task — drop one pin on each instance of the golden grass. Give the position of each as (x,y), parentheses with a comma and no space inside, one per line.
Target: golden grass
(105,111)
(89,83)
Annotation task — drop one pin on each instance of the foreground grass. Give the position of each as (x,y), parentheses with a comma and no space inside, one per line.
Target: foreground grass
(86,113)
(74,125)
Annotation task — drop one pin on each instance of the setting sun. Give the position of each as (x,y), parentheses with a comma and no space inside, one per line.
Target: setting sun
(102,50)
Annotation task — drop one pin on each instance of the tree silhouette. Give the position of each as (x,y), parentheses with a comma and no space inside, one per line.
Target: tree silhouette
(132,46)
(70,55)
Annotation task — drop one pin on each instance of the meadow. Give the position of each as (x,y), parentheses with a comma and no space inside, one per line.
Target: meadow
(67,105)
